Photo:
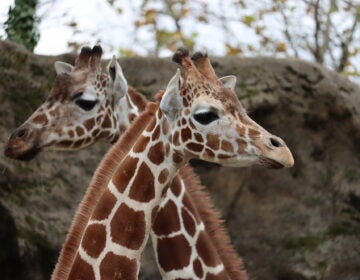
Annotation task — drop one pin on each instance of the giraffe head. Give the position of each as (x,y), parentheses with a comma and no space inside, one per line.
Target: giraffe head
(78,110)
(207,120)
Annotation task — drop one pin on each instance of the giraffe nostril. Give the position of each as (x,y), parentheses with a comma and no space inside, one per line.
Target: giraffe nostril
(276,143)
(20,133)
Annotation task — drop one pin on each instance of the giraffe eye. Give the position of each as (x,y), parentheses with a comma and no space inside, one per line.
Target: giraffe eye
(206,117)
(86,105)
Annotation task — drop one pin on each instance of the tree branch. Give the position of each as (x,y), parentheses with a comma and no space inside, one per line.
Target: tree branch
(345,55)
(286,31)
(318,54)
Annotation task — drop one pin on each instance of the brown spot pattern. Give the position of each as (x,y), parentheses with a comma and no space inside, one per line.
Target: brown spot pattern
(227,146)
(166,248)
(176,186)
(156,153)
(213,141)
(177,158)
(165,128)
(89,124)
(142,188)
(117,267)
(104,207)
(154,214)
(189,222)
(176,138)
(206,252)
(79,131)
(94,240)
(141,144)
(192,125)
(81,270)
(198,137)
(95,132)
(241,145)
(220,276)
(123,175)
(209,152)
(163,175)
(195,147)
(155,134)
(167,220)
(197,266)
(253,133)
(128,227)
(186,134)
(107,122)
(41,119)
(104,134)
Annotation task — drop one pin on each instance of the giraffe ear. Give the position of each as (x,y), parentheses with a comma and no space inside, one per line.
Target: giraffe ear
(171,101)
(118,83)
(229,82)
(62,67)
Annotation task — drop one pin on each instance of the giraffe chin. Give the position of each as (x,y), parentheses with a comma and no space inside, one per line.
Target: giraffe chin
(270,163)
(25,154)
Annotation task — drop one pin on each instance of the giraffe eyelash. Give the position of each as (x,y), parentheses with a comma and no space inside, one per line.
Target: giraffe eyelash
(86,105)
(206,117)
(76,95)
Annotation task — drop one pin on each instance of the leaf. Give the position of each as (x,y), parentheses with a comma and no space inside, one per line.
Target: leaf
(202,18)
(230,50)
(281,47)
(248,20)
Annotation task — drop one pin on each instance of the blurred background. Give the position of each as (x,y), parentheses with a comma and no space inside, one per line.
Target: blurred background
(297,65)
(325,31)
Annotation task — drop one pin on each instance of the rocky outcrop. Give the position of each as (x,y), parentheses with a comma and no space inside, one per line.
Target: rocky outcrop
(299,223)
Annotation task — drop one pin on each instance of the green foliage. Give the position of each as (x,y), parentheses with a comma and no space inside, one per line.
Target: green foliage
(21,25)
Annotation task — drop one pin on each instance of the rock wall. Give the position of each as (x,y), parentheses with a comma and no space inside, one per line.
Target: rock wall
(299,223)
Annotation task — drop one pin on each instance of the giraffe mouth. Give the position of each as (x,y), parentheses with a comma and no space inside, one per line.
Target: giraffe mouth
(21,152)
(270,163)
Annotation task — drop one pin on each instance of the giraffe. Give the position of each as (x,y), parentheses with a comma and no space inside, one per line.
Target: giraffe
(76,121)
(84,107)
(197,118)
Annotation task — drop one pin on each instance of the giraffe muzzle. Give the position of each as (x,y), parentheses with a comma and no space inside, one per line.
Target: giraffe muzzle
(21,145)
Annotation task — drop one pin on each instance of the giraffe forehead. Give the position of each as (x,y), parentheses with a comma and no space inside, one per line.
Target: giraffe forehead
(66,85)
(213,95)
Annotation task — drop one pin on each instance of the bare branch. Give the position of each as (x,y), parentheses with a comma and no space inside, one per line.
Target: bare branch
(326,31)
(286,31)
(345,55)
(318,54)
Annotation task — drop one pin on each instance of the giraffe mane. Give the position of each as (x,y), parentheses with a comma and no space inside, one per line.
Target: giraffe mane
(137,98)
(97,185)
(214,224)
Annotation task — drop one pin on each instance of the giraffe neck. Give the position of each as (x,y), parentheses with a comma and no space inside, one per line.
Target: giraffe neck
(119,227)
(205,215)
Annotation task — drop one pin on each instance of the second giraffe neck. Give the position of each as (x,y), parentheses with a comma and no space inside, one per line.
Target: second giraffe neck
(120,224)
